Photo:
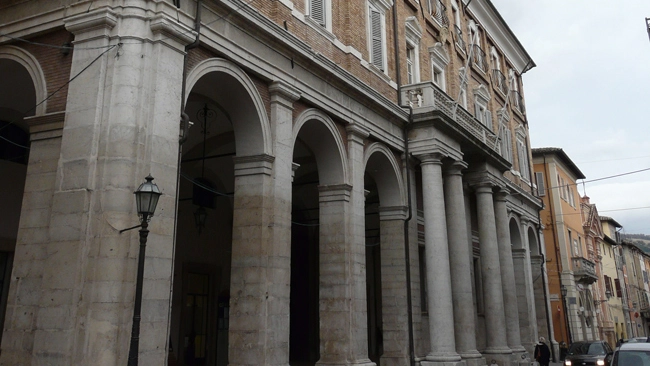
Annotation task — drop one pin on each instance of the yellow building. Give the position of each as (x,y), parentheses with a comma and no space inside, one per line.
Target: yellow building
(571,274)
(612,270)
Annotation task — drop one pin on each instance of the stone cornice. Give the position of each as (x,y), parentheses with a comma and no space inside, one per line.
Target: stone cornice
(334,192)
(163,27)
(392,213)
(96,23)
(281,90)
(253,165)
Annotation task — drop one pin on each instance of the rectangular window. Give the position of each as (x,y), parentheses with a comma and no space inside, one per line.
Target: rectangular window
(541,188)
(423,278)
(617,283)
(410,64)
(483,114)
(523,160)
(377,44)
(608,286)
(317,11)
(505,137)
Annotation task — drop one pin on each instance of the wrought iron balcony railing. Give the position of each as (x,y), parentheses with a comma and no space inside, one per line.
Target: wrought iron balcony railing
(584,270)
(428,95)
(478,57)
(458,36)
(439,12)
(500,81)
(518,101)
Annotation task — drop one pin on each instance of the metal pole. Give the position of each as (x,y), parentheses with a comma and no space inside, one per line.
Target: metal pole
(137,307)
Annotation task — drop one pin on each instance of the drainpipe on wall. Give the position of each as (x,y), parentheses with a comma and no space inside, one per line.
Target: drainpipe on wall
(398,79)
(185,120)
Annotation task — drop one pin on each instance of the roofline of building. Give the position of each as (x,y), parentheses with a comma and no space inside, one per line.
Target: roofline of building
(500,29)
(557,151)
(609,219)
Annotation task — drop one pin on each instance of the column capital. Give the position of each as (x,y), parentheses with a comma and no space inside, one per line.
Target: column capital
(501,194)
(455,167)
(334,192)
(254,164)
(387,213)
(483,179)
(431,158)
(283,93)
(99,22)
(357,133)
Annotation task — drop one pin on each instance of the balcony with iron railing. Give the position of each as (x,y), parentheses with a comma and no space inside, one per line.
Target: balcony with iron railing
(439,12)
(478,57)
(518,101)
(458,37)
(428,97)
(500,82)
(584,270)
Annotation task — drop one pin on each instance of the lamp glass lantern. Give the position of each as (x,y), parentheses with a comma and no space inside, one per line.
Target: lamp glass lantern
(563,290)
(146,198)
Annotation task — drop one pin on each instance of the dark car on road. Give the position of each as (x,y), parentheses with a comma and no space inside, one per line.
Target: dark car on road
(588,353)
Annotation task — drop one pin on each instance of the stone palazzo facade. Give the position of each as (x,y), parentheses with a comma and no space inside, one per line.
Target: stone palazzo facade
(344,183)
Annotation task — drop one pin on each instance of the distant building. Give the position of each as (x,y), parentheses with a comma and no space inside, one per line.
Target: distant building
(571,274)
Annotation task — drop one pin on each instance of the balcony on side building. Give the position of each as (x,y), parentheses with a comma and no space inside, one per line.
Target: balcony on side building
(584,270)
(478,57)
(431,104)
(439,12)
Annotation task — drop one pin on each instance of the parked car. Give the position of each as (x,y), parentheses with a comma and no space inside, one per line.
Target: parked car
(589,353)
(637,340)
(632,354)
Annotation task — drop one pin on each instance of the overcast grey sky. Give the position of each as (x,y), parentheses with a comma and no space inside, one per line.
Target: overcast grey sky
(589,94)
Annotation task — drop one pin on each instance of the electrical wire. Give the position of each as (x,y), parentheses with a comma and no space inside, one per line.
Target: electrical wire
(56,91)
(596,180)
(68,48)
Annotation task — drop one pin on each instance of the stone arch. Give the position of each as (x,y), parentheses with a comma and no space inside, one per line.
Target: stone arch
(31,65)
(382,165)
(324,139)
(515,233)
(252,130)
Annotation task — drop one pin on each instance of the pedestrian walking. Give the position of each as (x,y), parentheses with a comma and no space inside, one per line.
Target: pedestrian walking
(542,352)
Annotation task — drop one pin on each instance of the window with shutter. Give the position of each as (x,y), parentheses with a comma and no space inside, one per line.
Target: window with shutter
(488,119)
(617,283)
(541,187)
(608,286)
(317,11)
(377,47)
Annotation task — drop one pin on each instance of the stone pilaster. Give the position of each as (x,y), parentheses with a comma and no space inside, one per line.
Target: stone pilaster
(459,258)
(121,124)
(495,322)
(525,292)
(507,272)
(337,345)
(393,280)
(279,263)
(438,276)
(357,247)
(251,307)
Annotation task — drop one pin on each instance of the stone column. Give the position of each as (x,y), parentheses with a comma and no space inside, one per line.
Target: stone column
(393,280)
(438,276)
(461,266)
(525,292)
(278,322)
(121,124)
(252,302)
(495,322)
(507,272)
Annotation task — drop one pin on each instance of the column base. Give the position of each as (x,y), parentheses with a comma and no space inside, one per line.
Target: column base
(443,363)
(500,359)
(365,362)
(475,361)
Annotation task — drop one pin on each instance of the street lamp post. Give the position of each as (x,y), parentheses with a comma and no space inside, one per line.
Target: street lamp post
(146,197)
(564,291)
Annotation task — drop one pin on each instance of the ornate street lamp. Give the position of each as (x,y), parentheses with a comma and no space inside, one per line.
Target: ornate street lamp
(146,199)
(564,292)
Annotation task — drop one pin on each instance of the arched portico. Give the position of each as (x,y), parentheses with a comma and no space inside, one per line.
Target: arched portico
(385,212)
(22,88)
(221,274)
(523,279)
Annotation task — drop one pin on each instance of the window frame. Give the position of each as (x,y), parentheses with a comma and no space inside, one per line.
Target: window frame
(439,61)
(380,7)
(327,14)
